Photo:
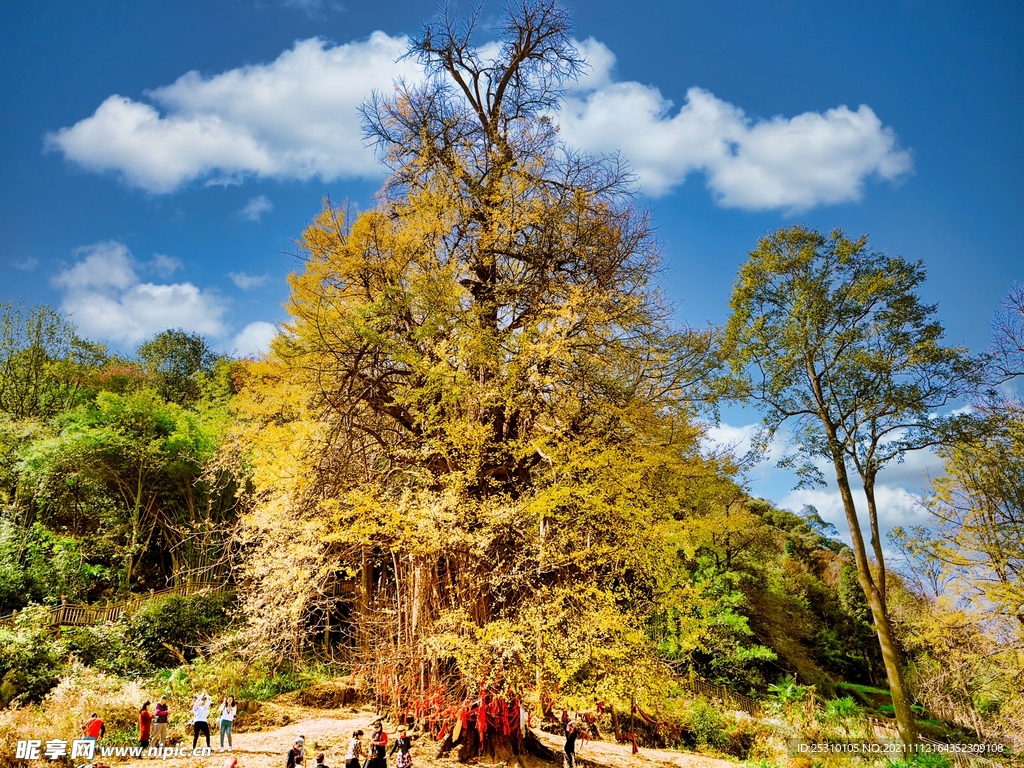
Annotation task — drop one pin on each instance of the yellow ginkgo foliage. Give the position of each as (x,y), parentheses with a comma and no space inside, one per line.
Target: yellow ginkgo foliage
(469,443)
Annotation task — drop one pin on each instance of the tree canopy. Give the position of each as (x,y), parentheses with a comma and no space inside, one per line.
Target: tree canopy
(834,337)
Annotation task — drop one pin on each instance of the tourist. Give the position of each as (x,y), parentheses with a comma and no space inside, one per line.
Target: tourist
(378,747)
(295,754)
(145,722)
(571,732)
(227,717)
(94,729)
(402,745)
(354,756)
(161,712)
(200,716)
(320,760)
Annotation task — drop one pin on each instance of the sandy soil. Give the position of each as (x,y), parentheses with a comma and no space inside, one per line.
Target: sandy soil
(328,731)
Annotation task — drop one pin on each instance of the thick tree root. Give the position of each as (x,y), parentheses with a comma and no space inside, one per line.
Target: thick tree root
(497,747)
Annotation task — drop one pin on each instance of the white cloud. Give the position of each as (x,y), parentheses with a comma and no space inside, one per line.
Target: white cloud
(165,265)
(256,207)
(792,163)
(294,118)
(741,440)
(297,118)
(896,506)
(247,282)
(27,264)
(105,298)
(254,339)
(897,489)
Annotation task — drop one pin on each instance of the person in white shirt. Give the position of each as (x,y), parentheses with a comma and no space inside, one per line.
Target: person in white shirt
(354,758)
(227,717)
(200,715)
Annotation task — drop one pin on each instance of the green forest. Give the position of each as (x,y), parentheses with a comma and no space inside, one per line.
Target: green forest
(471,471)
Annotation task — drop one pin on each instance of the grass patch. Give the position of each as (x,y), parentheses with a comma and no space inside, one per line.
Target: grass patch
(864,689)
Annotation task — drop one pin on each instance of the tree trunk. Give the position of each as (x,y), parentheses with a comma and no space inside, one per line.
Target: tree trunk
(365,599)
(879,613)
(876,538)
(471,747)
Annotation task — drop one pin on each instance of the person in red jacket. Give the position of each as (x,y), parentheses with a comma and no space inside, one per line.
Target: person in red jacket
(94,728)
(145,721)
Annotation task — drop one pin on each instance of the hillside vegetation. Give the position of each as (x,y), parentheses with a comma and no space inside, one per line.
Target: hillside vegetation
(472,475)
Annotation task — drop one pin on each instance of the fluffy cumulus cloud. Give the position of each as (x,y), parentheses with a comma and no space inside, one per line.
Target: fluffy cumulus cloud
(254,339)
(791,163)
(294,118)
(106,299)
(255,208)
(297,118)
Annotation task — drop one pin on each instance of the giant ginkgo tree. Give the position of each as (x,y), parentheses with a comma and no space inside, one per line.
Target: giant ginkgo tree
(466,442)
(832,337)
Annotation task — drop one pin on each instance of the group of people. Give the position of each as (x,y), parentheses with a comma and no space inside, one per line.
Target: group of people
(201,723)
(375,754)
(371,755)
(156,721)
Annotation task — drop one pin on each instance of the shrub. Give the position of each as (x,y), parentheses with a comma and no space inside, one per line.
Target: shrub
(183,623)
(924,760)
(104,647)
(63,710)
(841,709)
(30,660)
(706,724)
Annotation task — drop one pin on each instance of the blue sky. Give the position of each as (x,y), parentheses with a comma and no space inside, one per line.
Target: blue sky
(135,195)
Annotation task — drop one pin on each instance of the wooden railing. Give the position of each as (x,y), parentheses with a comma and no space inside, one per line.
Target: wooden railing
(738,700)
(68,615)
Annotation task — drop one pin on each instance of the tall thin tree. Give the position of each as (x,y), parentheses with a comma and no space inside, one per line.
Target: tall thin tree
(833,337)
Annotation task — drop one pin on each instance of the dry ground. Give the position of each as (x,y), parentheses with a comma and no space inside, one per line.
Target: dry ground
(328,731)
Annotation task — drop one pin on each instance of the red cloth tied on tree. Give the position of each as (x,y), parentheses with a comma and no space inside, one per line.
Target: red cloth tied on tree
(481,715)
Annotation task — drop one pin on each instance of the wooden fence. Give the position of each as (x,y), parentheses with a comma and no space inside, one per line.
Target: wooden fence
(738,700)
(68,615)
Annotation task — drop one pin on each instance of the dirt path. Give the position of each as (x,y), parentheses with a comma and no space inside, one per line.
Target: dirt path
(329,731)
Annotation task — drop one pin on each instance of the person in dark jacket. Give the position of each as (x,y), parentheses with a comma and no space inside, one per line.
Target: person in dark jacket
(378,747)
(571,733)
(295,754)
(161,712)
(402,745)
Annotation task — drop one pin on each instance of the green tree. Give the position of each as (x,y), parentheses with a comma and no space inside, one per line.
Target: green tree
(44,365)
(180,361)
(832,336)
(129,473)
